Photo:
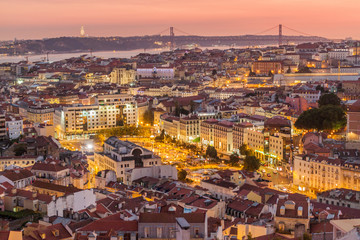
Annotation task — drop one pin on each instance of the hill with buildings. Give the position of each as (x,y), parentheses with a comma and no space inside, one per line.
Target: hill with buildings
(74,44)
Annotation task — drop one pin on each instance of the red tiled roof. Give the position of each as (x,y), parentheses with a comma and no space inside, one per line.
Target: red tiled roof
(171,218)
(49,232)
(41,166)
(113,222)
(17,174)
(55,187)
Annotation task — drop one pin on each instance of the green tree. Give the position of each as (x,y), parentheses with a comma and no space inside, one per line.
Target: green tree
(329,99)
(325,118)
(251,163)
(251,73)
(250,95)
(182,174)
(304,70)
(20,149)
(244,149)
(214,72)
(179,110)
(149,116)
(192,106)
(234,159)
(211,152)
(161,137)
(320,88)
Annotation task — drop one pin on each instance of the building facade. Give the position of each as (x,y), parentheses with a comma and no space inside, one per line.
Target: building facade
(123,76)
(120,156)
(40,114)
(108,112)
(14,127)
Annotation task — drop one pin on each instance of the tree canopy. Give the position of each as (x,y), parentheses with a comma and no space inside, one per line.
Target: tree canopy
(211,152)
(304,69)
(325,118)
(180,110)
(251,163)
(161,137)
(234,159)
(243,149)
(149,116)
(20,149)
(214,72)
(182,174)
(329,99)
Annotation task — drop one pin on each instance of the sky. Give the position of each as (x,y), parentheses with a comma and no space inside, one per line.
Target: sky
(36,19)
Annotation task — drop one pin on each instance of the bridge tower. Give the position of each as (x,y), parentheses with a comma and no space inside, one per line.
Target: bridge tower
(172,43)
(280,35)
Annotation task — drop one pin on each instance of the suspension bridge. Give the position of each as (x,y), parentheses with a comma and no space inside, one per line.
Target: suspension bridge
(170,33)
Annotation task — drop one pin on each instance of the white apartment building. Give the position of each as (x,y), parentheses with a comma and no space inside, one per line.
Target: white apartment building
(295,58)
(73,202)
(163,73)
(14,126)
(162,172)
(311,96)
(339,54)
(108,112)
(126,104)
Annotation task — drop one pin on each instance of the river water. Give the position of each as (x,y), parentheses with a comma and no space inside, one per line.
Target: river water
(61,56)
(106,54)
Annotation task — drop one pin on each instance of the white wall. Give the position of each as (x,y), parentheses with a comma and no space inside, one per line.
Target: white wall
(77,201)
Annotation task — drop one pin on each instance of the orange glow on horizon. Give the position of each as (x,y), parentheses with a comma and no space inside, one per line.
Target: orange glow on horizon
(44,18)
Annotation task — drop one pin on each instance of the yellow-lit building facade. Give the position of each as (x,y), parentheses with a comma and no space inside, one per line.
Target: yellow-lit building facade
(317,173)
(223,136)
(41,114)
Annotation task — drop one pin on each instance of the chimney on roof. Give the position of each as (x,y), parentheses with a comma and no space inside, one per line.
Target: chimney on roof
(14,190)
(55,232)
(34,194)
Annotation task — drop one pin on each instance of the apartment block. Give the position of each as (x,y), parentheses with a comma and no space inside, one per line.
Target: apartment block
(108,112)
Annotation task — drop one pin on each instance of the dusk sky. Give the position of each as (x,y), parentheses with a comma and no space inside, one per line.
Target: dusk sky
(25,19)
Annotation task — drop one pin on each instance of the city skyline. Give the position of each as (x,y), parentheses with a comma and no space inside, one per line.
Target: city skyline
(44,19)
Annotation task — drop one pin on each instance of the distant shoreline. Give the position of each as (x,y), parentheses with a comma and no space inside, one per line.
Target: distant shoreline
(103,54)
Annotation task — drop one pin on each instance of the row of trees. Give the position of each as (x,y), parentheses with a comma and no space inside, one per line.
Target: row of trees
(251,163)
(164,138)
(127,130)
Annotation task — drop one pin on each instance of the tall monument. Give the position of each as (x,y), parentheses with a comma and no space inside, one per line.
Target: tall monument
(82,31)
